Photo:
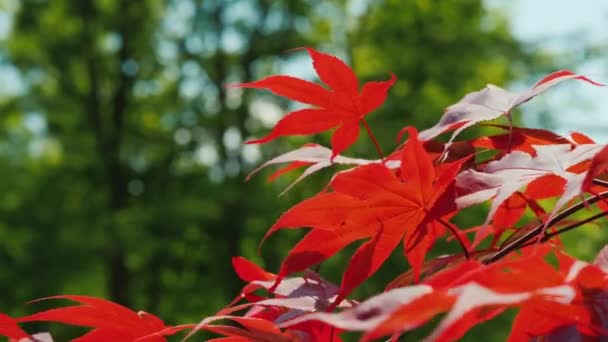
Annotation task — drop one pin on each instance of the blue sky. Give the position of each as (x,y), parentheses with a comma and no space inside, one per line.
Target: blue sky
(560,26)
(538,19)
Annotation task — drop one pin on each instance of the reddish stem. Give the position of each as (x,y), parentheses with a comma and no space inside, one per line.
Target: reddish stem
(373,138)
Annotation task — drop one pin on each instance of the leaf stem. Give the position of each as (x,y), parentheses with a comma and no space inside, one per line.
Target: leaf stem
(373,138)
(534,233)
(455,233)
(510,131)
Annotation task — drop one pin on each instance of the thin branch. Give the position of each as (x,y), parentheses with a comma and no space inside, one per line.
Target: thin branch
(600,182)
(532,234)
(549,235)
(373,138)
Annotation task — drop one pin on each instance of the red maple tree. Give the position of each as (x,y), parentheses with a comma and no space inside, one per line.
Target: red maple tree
(409,198)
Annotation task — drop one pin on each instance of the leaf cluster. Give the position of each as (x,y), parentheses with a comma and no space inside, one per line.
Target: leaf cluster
(406,200)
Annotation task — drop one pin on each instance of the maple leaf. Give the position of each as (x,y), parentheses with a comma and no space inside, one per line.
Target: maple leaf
(342,106)
(550,297)
(111,321)
(370,202)
(583,316)
(491,103)
(502,178)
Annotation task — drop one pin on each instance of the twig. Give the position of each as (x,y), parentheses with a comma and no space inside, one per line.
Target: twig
(600,182)
(532,234)
(549,235)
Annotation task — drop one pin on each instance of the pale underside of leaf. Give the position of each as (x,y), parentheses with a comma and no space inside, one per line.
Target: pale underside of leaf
(491,103)
(317,155)
(368,314)
(473,295)
(502,178)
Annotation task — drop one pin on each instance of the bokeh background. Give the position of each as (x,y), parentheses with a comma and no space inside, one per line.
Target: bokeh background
(121,158)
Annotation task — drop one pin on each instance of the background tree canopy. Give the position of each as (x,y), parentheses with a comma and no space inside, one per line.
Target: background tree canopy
(121,156)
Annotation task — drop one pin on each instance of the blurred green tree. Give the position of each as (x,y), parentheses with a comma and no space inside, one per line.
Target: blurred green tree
(129,148)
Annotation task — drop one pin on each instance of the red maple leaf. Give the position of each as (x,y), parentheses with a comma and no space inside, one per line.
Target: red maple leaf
(111,321)
(371,202)
(342,106)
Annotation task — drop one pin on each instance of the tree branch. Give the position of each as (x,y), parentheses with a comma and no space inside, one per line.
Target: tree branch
(534,233)
(549,235)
